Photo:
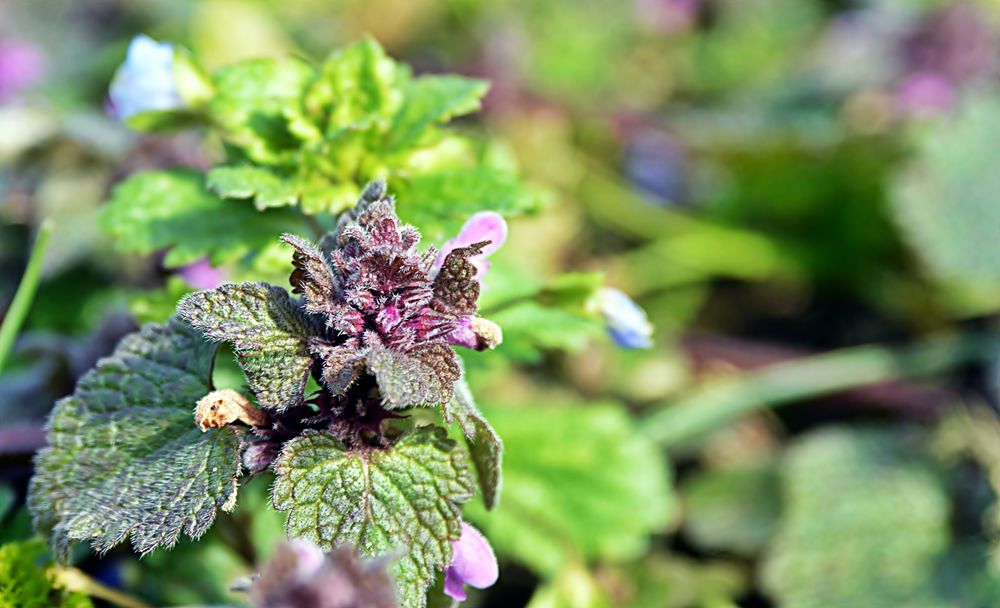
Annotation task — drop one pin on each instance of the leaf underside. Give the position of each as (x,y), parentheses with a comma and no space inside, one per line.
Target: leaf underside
(125,458)
(485,446)
(403,500)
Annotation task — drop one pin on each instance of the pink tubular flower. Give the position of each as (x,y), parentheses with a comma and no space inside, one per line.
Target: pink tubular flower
(483,226)
(202,275)
(473,563)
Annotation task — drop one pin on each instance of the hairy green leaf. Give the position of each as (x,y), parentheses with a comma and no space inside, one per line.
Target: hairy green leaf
(424,375)
(578,482)
(865,519)
(155,210)
(431,100)
(485,446)
(732,509)
(24,582)
(125,457)
(269,332)
(266,188)
(945,201)
(405,498)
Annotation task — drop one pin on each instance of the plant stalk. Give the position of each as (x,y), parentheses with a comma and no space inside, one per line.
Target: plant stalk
(19,307)
(721,401)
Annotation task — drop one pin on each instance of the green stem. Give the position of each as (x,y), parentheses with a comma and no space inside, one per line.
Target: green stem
(72,579)
(722,401)
(19,307)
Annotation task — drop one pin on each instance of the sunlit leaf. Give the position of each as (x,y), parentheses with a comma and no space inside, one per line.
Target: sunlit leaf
(157,210)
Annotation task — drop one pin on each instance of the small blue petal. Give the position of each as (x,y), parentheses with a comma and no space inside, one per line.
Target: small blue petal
(626,322)
(146,80)
(630,339)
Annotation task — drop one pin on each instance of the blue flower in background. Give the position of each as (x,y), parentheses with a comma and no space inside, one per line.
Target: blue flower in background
(626,321)
(146,80)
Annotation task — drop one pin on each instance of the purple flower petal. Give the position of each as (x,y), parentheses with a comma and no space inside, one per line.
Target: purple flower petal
(21,65)
(483,226)
(925,94)
(453,585)
(473,563)
(463,335)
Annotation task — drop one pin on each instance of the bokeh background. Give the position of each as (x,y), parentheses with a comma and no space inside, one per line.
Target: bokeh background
(804,195)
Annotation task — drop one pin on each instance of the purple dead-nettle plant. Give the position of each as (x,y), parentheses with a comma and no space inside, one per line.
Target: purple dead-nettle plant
(378,317)
(372,320)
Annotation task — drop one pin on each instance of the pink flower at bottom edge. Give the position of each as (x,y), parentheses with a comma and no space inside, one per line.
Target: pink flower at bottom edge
(473,563)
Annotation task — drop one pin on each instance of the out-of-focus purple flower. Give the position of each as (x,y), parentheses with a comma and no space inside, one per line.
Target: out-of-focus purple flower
(483,226)
(308,557)
(925,94)
(300,575)
(259,455)
(202,275)
(959,41)
(146,80)
(626,322)
(948,51)
(656,165)
(21,65)
(472,563)
(667,15)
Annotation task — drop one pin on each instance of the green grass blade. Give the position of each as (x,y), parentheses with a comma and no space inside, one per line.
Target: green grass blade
(18,310)
(722,401)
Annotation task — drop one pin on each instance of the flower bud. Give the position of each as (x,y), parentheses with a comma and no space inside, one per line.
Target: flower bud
(626,322)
